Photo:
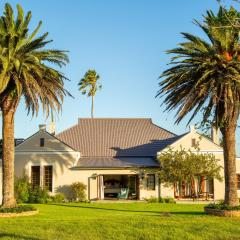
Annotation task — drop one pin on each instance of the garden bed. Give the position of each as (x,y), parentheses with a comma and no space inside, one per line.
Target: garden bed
(222,210)
(25,210)
(222,213)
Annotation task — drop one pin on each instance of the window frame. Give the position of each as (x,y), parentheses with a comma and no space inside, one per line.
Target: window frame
(194,142)
(42,142)
(49,186)
(39,178)
(151,183)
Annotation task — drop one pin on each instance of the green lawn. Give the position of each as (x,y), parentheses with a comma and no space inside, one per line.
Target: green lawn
(120,221)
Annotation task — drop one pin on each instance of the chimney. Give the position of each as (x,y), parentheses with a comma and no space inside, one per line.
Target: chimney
(215,135)
(52,128)
(192,128)
(42,127)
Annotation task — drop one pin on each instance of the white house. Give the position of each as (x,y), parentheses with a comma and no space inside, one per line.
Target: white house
(110,155)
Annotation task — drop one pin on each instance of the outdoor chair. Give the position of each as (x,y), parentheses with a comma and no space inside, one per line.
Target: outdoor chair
(123,193)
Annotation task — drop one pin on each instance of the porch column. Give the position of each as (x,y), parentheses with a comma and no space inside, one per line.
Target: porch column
(101,187)
(88,188)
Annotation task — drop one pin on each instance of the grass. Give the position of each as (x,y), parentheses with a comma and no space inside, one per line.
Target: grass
(120,221)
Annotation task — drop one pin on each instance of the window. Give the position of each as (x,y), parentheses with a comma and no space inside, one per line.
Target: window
(48,175)
(238,181)
(151,181)
(35,176)
(41,142)
(194,142)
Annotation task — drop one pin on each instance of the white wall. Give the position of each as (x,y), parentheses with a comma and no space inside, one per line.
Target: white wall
(64,175)
(62,158)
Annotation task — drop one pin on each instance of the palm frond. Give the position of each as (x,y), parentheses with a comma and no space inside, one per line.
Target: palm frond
(204,76)
(24,69)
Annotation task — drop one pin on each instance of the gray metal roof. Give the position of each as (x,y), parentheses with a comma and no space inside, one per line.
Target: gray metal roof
(116,162)
(121,137)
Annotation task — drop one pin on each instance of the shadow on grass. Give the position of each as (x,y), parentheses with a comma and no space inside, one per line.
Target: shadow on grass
(134,211)
(16,236)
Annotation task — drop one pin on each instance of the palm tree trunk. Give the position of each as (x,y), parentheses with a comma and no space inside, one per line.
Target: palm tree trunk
(229,145)
(8,155)
(92,106)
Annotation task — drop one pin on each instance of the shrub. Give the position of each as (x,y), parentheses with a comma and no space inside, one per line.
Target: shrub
(38,195)
(222,206)
(169,200)
(78,191)
(58,198)
(152,200)
(66,190)
(21,189)
(18,209)
(25,193)
(160,200)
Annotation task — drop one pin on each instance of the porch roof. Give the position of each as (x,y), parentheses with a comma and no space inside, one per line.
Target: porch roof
(116,162)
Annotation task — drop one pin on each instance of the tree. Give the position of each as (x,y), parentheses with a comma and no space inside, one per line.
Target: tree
(24,72)
(89,84)
(184,165)
(205,76)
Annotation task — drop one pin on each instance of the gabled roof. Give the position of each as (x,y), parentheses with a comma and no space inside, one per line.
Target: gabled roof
(17,141)
(52,144)
(122,137)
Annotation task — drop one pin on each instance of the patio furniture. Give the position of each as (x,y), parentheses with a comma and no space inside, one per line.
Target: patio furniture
(132,196)
(123,194)
(205,195)
(112,190)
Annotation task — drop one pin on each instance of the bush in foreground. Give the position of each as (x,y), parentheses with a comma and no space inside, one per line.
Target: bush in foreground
(38,195)
(22,189)
(18,209)
(25,193)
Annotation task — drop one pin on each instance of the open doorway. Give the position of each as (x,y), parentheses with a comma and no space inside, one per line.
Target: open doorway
(121,187)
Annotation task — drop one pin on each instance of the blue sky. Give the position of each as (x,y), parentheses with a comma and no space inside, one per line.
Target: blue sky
(125,42)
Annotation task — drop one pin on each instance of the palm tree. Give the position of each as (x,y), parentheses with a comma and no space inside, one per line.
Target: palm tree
(89,83)
(205,76)
(24,72)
